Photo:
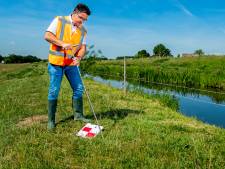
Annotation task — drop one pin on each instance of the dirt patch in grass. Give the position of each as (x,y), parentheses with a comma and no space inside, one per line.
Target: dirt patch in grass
(29,121)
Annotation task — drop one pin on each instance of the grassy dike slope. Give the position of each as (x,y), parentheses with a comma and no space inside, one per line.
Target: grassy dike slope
(139,132)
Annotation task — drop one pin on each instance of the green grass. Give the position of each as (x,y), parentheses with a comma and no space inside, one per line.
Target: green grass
(199,72)
(140,131)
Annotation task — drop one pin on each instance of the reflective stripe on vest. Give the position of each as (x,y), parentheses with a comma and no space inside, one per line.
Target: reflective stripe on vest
(81,40)
(57,53)
(64,22)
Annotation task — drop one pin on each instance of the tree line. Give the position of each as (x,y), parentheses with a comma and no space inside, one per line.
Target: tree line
(13,58)
(159,50)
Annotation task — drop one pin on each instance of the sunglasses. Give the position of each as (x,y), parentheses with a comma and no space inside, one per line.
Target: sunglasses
(80,17)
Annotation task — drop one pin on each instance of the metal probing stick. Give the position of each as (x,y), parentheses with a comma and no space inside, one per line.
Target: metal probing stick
(89,100)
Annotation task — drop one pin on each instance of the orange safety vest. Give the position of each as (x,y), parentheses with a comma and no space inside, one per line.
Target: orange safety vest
(62,57)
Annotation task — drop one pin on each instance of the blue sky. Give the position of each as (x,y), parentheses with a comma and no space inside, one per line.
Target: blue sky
(118,27)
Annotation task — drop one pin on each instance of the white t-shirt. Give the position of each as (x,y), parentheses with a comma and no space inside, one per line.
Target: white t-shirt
(53,26)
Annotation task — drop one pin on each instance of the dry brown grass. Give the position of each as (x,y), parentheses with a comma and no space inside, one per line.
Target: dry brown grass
(29,121)
(11,67)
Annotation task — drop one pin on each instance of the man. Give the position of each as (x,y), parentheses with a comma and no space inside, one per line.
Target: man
(67,38)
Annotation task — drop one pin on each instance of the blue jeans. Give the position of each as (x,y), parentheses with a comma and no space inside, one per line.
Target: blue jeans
(72,74)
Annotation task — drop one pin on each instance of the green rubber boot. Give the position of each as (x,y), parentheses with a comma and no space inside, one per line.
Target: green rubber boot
(77,105)
(52,104)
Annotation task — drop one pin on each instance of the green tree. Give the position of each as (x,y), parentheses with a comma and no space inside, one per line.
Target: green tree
(142,54)
(13,58)
(1,58)
(199,52)
(161,51)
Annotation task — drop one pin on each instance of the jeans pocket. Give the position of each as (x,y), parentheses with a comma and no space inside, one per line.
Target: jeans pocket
(54,69)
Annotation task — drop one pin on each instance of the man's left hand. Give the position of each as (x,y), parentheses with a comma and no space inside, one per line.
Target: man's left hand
(76,61)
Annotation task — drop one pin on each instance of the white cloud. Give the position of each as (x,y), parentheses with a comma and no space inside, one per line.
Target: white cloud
(183,8)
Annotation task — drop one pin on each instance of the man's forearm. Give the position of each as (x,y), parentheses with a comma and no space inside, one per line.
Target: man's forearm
(51,38)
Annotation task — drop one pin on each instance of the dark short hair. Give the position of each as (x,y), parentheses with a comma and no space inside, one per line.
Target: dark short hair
(82,8)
